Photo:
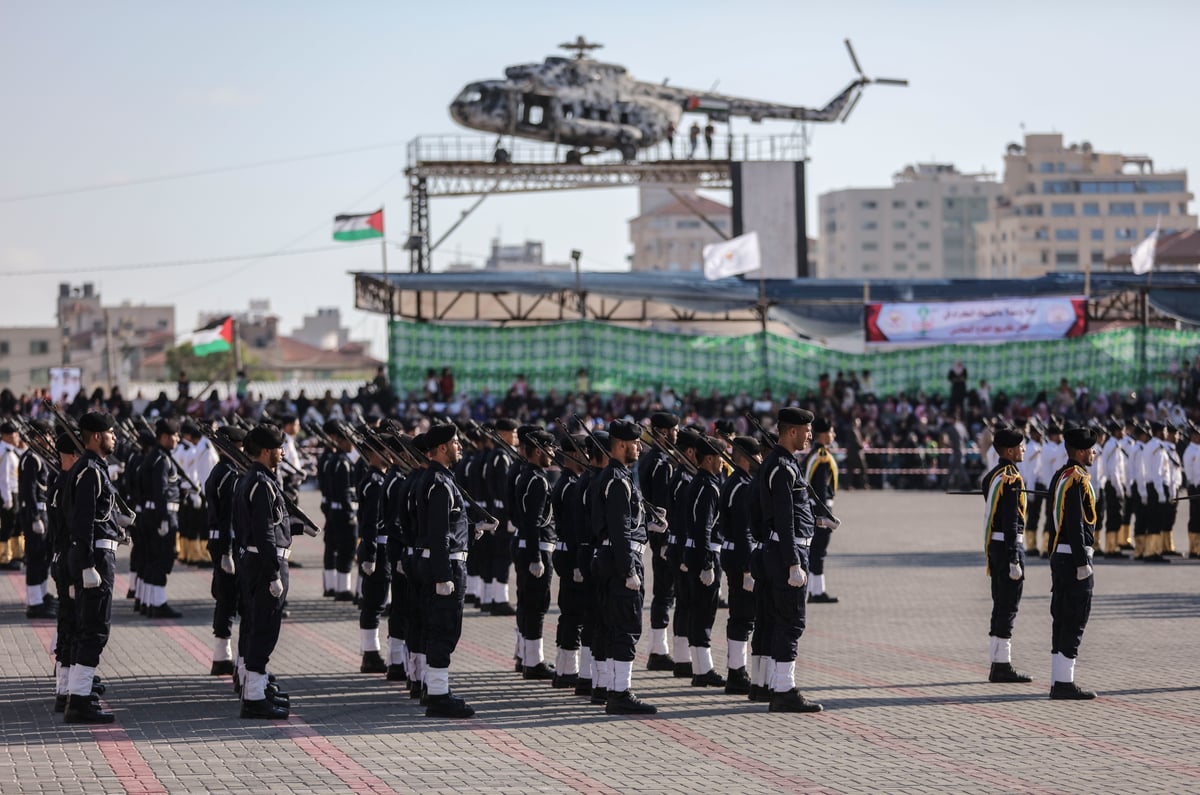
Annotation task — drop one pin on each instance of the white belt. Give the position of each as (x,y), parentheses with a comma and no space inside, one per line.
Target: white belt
(148,506)
(729,545)
(451,556)
(1000,536)
(105,543)
(1066,549)
(804,542)
(381,539)
(561,546)
(634,545)
(711,547)
(350,506)
(280,552)
(172,507)
(40,506)
(544,546)
(214,534)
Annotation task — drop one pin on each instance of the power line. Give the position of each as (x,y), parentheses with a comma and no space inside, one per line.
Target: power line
(180,263)
(200,173)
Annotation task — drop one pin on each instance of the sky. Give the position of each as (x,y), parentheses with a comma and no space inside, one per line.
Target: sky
(106,104)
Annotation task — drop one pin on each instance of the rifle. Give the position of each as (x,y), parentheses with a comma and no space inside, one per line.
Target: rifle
(648,507)
(36,441)
(774,439)
(416,457)
(128,514)
(243,463)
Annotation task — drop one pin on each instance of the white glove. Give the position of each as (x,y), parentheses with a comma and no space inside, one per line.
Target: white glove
(486,527)
(164,528)
(38,527)
(194,499)
(227,564)
(276,587)
(1083,572)
(368,568)
(633,582)
(657,523)
(399,567)
(1014,571)
(683,567)
(829,504)
(797,576)
(708,577)
(662,553)
(114,470)
(71,591)
(444,588)
(91,578)
(577,576)
(537,569)
(748,582)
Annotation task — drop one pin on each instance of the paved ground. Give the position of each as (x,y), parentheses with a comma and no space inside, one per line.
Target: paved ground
(900,666)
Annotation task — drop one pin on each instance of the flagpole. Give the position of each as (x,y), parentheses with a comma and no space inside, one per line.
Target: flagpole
(390,303)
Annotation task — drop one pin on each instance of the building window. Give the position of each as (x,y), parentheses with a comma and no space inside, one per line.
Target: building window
(1062,208)
(870,246)
(923,246)
(1156,208)
(1097,257)
(1125,233)
(830,227)
(924,266)
(3,347)
(39,347)
(1046,168)
(900,267)
(1042,234)
(5,376)
(39,376)
(687,224)
(924,224)
(1097,234)
(1058,186)
(900,246)
(1122,208)
(1066,234)
(1032,209)
(1066,258)
(1091,208)
(869,225)
(869,267)
(869,205)
(898,204)
(922,204)
(898,224)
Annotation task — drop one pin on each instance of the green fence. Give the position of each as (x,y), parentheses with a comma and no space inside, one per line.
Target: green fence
(626,359)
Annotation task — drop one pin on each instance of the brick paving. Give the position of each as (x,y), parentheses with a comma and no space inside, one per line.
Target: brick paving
(900,665)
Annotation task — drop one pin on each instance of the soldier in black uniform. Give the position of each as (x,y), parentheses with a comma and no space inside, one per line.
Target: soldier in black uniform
(442,570)
(1073,512)
(677,521)
(393,508)
(593,655)
(374,570)
(33,477)
(655,474)
(341,526)
(218,494)
(788,520)
(535,541)
(262,529)
(96,528)
(131,483)
(740,513)
(160,519)
(1003,491)
(702,560)
(821,471)
(572,599)
(514,510)
(58,542)
(618,520)
(496,546)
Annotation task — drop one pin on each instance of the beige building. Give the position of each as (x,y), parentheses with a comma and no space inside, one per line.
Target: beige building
(26,356)
(668,235)
(109,343)
(1070,208)
(920,228)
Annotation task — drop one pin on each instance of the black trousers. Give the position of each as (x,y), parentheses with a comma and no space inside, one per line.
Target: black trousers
(93,606)
(788,609)
(37,558)
(1114,510)
(375,589)
(414,607)
(398,616)
(533,593)
(740,622)
(819,549)
(622,611)
(443,614)
(8,523)
(225,593)
(1006,592)
(702,610)
(263,613)
(341,537)
(159,559)
(64,648)
(764,625)
(1193,510)
(597,588)
(662,597)
(572,601)
(1070,605)
(683,605)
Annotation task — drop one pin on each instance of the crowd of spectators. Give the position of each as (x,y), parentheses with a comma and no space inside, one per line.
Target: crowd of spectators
(906,440)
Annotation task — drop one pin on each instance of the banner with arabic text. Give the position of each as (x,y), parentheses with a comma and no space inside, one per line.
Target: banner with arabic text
(997,320)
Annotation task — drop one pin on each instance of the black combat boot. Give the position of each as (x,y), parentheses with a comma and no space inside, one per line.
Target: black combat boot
(1004,672)
(626,702)
(792,701)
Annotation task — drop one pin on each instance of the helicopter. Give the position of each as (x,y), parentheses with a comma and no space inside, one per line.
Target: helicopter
(594,106)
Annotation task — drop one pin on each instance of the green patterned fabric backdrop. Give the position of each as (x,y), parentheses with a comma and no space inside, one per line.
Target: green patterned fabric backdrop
(619,358)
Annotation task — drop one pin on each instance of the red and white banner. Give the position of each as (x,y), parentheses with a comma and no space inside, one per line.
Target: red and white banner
(997,320)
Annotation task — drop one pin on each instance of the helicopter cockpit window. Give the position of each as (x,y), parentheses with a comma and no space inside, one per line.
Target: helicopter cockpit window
(470,96)
(534,110)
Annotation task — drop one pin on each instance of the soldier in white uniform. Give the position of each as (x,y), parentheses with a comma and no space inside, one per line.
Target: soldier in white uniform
(1053,458)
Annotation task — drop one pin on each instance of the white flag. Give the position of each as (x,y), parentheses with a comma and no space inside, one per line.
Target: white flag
(1143,255)
(731,257)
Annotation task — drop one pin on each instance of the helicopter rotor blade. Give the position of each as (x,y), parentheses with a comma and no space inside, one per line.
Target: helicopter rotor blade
(850,107)
(854,58)
(890,81)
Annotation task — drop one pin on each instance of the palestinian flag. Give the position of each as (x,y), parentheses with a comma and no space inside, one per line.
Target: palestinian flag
(358,227)
(216,337)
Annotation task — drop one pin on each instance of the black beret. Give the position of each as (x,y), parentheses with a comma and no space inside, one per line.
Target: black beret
(1080,438)
(146,437)
(625,430)
(41,426)
(525,430)
(232,433)
(1113,424)
(1004,437)
(286,419)
(7,427)
(505,424)
(190,428)
(1130,422)
(821,425)
(166,427)
(747,446)
(539,438)
(421,442)
(95,422)
(724,427)
(686,440)
(1156,427)
(63,443)
(440,434)
(334,428)
(571,443)
(791,416)
(1021,422)
(663,419)
(706,446)
(264,437)
(599,442)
